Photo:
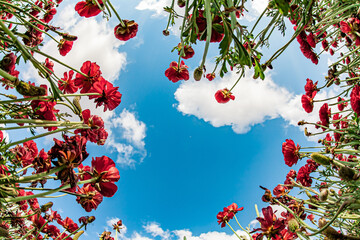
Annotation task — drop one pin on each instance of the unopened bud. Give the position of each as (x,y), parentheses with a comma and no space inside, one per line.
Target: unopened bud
(198,73)
(76,102)
(166,32)
(346,173)
(27,89)
(181,3)
(293,225)
(91,219)
(46,206)
(320,159)
(324,194)
(77,235)
(69,37)
(308,134)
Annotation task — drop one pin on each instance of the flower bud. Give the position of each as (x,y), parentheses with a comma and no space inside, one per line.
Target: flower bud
(91,219)
(320,159)
(27,89)
(346,173)
(324,194)
(46,206)
(198,74)
(293,225)
(181,3)
(77,235)
(69,37)
(166,32)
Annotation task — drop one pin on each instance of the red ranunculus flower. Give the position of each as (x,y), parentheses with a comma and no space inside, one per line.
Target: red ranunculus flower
(109,96)
(324,114)
(223,96)
(69,224)
(307,103)
(92,200)
(224,217)
(175,73)
(49,65)
(88,8)
(188,51)
(270,225)
(355,99)
(49,15)
(201,23)
(310,87)
(104,168)
(67,83)
(291,152)
(96,132)
(303,176)
(126,32)
(341,104)
(210,76)
(93,74)
(65,47)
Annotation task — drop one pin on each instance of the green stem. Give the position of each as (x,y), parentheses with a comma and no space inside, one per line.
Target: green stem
(208,31)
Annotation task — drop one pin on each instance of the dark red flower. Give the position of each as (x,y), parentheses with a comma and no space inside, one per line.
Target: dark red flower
(270,225)
(223,96)
(341,104)
(233,208)
(95,133)
(107,174)
(88,8)
(109,96)
(188,51)
(307,103)
(224,217)
(67,83)
(303,176)
(310,87)
(175,73)
(92,75)
(210,76)
(92,200)
(355,99)
(65,47)
(324,114)
(126,32)
(291,152)
(311,40)
(49,65)
(48,16)
(216,36)
(69,224)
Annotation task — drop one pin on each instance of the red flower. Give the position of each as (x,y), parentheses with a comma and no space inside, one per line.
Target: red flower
(188,51)
(104,168)
(307,103)
(126,32)
(303,176)
(88,8)
(224,217)
(311,40)
(69,224)
(65,46)
(67,83)
(49,15)
(93,74)
(341,104)
(201,23)
(291,152)
(109,96)
(269,224)
(92,200)
(175,73)
(210,76)
(324,115)
(310,87)
(355,99)
(49,65)
(223,96)
(95,133)
(233,208)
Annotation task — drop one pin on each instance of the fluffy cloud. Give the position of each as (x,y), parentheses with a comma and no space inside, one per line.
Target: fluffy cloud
(126,138)
(154,5)
(255,102)
(157,232)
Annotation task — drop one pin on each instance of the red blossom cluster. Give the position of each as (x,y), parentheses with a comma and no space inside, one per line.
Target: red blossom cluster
(228,213)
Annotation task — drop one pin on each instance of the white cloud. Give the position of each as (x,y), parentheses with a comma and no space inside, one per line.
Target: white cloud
(255,102)
(154,5)
(126,137)
(155,230)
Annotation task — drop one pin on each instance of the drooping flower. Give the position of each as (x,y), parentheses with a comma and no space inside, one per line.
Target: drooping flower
(351,28)
(303,176)
(223,96)
(48,16)
(342,103)
(107,174)
(69,224)
(65,47)
(95,133)
(307,103)
(92,200)
(270,225)
(355,99)
(88,8)
(224,217)
(109,96)
(126,30)
(291,152)
(324,114)
(188,51)
(49,65)
(175,73)
(310,87)
(210,76)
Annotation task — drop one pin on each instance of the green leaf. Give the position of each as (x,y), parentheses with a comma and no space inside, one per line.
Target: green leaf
(258,71)
(283,6)
(218,28)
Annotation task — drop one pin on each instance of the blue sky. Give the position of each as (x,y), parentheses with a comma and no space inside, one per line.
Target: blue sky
(182,156)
